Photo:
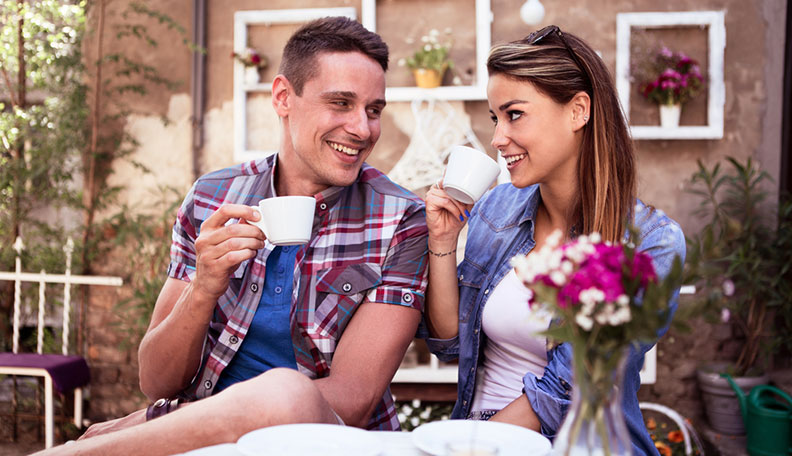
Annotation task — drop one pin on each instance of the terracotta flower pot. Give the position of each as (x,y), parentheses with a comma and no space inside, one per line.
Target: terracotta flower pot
(428,79)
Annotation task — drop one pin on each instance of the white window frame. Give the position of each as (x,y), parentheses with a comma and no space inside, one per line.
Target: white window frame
(242,20)
(478,91)
(715,20)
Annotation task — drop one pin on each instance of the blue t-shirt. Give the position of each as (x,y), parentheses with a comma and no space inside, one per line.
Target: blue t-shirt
(268,343)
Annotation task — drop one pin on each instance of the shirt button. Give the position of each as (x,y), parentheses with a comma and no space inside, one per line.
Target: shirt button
(278,290)
(407,297)
(281,269)
(461,276)
(233,339)
(464,402)
(486,292)
(347,287)
(254,287)
(208,384)
(475,331)
(323,206)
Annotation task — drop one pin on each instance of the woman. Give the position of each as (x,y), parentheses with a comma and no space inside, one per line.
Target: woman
(559,126)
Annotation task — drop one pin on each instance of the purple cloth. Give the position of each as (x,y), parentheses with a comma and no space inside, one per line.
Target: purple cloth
(67,372)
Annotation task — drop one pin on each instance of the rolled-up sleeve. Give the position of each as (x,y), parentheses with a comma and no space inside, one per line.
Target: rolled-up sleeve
(550,395)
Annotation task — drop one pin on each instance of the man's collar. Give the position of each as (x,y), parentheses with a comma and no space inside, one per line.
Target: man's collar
(328,196)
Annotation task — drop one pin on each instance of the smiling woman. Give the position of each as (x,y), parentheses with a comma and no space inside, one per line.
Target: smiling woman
(559,127)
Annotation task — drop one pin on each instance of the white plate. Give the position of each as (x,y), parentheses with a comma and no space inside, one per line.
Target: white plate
(309,439)
(511,440)
(223,449)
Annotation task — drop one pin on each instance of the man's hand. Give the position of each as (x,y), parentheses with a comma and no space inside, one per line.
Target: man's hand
(220,249)
(105,427)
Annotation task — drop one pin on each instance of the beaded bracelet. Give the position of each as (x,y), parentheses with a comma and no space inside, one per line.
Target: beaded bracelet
(440,255)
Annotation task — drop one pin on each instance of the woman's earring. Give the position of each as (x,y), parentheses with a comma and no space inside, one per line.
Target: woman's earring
(585,119)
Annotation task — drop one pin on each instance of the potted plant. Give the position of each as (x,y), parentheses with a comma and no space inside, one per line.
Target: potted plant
(670,79)
(430,61)
(741,266)
(253,62)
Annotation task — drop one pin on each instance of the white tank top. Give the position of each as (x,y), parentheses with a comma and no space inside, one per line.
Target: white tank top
(512,348)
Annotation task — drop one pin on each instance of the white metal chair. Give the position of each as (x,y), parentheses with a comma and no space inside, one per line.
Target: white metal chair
(61,372)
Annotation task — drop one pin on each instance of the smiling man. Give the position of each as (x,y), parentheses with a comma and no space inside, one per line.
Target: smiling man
(245,334)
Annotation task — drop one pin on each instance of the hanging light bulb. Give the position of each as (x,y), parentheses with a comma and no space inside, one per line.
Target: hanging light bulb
(532,12)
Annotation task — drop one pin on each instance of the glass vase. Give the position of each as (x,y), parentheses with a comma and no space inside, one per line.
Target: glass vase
(595,424)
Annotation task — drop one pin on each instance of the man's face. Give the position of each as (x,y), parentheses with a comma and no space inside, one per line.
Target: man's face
(332,127)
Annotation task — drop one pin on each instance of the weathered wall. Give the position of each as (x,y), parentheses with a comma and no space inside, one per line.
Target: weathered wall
(752,128)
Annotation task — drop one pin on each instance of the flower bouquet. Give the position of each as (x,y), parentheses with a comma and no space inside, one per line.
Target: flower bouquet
(253,62)
(605,298)
(430,62)
(670,79)
(251,58)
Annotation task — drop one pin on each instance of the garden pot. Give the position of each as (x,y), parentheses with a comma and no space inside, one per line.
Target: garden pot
(428,79)
(720,401)
(669,115)
(251,75)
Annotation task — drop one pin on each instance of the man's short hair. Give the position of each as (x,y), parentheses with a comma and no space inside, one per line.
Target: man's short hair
(329,34)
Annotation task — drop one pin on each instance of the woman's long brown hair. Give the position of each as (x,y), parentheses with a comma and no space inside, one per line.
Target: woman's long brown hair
(606,164)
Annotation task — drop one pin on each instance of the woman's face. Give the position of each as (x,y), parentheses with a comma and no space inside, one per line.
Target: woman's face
(534,134)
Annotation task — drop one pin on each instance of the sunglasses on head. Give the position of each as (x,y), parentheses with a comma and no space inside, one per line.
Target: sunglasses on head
(537,36)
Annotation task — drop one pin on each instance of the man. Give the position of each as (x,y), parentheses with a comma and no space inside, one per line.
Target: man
(329,335)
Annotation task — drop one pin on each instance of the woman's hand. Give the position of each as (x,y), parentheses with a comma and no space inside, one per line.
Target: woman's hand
(445,217)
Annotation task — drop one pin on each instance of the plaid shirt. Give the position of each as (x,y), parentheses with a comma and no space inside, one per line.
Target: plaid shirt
(369,241)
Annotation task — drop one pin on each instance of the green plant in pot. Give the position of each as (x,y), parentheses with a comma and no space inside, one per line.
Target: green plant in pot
(740,264)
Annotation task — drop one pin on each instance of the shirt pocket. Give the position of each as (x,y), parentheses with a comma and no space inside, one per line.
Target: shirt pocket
(340,290)
(470,277)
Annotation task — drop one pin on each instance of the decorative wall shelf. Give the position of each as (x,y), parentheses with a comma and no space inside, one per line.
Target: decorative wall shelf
(715,22)
(478,91)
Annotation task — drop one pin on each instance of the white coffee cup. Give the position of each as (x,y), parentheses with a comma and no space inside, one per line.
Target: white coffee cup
(470,172)
(286,220)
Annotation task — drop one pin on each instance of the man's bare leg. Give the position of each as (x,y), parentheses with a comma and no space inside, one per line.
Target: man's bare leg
(279,396)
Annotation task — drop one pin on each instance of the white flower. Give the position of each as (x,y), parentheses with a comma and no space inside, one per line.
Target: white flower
(558,278)
(433,32)
(622,300)
(402,417)
(728,287)
(457,80)
(402,62)
(595,238)
(427,47)
(567,267)
(622,315)
(415,421)
(425,414)
(584,321)
(416,403)
(425,39)
(591,296)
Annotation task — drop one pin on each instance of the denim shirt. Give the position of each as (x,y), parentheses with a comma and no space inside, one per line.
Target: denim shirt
(502,226)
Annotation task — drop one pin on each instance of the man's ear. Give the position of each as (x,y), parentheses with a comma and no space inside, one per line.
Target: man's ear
(282,92)
(581,110)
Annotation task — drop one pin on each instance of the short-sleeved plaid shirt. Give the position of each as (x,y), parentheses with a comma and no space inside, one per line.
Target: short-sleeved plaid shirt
(369,241)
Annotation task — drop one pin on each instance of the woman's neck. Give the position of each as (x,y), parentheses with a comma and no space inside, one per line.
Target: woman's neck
(555,211)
